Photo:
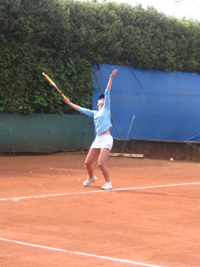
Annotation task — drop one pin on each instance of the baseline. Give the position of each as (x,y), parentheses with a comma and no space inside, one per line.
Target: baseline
(98,191)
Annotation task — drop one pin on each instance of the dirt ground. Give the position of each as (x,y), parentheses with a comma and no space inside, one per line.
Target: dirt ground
(47,218)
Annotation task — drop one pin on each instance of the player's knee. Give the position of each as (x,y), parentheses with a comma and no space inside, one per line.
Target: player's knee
(101,164)
(88,164)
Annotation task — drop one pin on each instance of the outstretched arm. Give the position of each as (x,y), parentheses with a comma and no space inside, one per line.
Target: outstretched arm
(74,106)
(85,111)
(110,79)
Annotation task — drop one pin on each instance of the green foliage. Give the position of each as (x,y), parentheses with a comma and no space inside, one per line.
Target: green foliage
(64,38)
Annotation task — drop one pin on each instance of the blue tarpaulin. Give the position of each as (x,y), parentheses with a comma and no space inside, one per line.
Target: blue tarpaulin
(166,105)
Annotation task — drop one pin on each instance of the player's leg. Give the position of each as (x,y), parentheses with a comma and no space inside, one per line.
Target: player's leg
(91,157)
(103,156)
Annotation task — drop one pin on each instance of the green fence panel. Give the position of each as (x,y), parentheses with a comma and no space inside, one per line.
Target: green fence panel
(45,132)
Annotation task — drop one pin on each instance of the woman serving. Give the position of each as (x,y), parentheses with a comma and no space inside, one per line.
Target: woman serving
(103,142)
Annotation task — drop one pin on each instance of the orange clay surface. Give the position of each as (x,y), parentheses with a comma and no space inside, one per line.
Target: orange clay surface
(47,218)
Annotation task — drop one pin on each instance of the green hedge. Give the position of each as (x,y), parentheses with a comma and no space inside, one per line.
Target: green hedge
(63,38)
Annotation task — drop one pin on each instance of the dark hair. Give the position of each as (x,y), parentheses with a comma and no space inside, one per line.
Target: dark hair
(101,96)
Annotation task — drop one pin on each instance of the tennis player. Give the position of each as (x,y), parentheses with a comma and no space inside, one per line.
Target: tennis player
(103,142)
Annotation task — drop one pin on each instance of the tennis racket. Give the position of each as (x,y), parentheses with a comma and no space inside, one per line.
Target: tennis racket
(53,84)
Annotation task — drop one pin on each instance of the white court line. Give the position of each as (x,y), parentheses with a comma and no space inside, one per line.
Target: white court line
(80,253)
(98,191)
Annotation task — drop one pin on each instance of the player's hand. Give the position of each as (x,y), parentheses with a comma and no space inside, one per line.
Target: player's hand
(67,101)
(113,73)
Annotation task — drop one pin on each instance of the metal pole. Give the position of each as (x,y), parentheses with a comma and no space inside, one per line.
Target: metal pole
(128,133)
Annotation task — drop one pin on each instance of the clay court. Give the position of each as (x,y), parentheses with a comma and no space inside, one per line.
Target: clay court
(150,218)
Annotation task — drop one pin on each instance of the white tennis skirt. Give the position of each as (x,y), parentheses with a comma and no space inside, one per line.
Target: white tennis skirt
(103,141)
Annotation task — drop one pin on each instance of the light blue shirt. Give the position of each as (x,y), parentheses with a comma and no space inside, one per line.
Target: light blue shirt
(101,118)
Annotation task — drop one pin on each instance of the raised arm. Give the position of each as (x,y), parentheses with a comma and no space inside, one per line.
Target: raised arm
(110,79)
(74,106)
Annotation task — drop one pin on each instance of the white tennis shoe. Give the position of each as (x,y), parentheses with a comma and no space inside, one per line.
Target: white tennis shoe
(89,181)
(107,186)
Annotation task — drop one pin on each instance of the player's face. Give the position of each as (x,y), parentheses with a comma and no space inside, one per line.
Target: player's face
(100,103)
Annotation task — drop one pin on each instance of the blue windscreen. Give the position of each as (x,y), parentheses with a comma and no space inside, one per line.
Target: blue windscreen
(166,105)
